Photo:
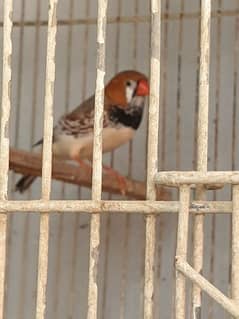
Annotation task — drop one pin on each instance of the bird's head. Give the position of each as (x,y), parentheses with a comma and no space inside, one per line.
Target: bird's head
(126,88)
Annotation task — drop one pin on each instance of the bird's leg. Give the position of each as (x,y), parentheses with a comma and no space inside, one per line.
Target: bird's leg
(121,179)
(83,164)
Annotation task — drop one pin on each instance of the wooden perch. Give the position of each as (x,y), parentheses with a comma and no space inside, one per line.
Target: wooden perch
(30,163)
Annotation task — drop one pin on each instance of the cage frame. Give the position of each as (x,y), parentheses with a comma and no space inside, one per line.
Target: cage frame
(184,181)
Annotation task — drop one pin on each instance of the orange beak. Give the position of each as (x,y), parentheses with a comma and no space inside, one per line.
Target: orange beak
(142,88)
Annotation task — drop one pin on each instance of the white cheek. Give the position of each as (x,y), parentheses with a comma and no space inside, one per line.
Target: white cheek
(129,93)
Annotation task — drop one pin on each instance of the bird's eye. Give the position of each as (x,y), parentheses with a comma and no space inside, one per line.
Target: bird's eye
(128,83)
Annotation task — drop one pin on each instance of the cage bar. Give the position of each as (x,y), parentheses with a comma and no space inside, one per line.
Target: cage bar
(144,207)
(190,177)
(49,96)
(235,93)
(152,156)
(47,158)
(179,83)
(6,98)
(235,245)
(97,160)
(212,291)
(184,180)
(4,137)
(202,143)
(181,250)
(217,117)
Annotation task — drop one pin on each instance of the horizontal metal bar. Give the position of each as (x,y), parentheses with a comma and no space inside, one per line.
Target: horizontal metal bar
(227,303)
(89,206)
(175,178)
(130,19)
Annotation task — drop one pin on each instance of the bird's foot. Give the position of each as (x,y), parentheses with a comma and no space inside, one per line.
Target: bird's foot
(84,165)
(121,179)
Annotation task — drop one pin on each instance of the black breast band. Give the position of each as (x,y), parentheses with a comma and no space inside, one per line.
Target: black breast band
(128,117)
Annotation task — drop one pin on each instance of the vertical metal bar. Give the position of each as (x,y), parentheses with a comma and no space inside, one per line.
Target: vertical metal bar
(42,267)
(181,251)
(143,249)
(47,158)
(6,97)
(201,144)
(127,226)
(152,154)
(218,84)
(216,144)
(97,160)
(149,267)
(164,88)
(235,244)
(196,116)
(99,101)
(4,137)
(49,96)
(179,81)
(196,95)
(179,87)
(204,86)
(235,93)
(235,189)
(112,157)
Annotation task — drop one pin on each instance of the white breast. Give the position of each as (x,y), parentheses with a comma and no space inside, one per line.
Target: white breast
(67,146)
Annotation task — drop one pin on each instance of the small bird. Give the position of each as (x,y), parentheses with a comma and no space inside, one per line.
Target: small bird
(123,110)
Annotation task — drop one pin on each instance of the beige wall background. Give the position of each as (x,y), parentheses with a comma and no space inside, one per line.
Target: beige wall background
(122,237)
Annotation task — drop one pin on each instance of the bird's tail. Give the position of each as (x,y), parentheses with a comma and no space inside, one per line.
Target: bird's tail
(24,183)
(26,180)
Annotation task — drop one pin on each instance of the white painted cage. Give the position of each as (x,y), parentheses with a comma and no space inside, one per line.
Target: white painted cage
(50,271)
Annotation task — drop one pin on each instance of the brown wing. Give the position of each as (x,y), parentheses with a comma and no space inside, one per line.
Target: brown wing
(80,121)
(83,109)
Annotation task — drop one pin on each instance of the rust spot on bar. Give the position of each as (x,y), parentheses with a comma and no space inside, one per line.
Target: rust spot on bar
(199,207)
